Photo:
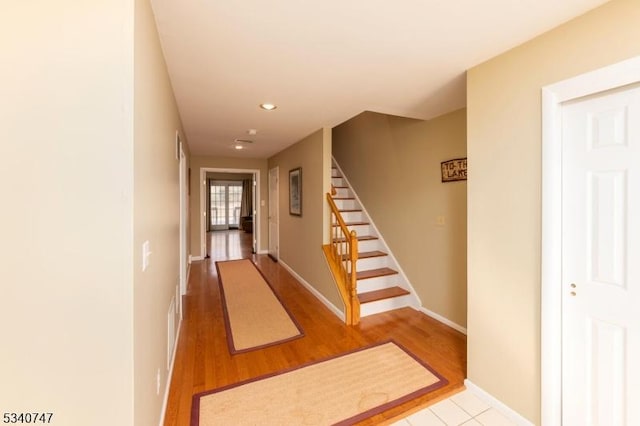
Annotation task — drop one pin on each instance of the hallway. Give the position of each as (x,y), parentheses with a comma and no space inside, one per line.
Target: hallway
(203,361)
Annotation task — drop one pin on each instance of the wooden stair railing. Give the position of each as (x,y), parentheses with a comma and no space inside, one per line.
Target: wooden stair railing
(342,254)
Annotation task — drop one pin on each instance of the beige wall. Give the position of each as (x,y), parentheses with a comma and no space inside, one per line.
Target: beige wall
(196,210)
(301,237)
(156,215)
(66,224)
(393,164)
(229,176)
(504,143)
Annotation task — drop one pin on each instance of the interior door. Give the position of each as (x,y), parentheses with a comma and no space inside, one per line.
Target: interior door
(601,259)
(254,213)
(273,213)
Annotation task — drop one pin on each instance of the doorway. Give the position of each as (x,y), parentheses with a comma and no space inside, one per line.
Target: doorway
(590,237)
(227,217)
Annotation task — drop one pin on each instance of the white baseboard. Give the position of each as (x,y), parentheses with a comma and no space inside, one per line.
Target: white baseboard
(504,409)
(165,399)
(443,320)
(333,308)
(195,258)
(263,251)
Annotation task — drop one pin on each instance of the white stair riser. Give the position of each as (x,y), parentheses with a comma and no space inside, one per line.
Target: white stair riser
(338,181)
(353,217)
(361,229)
(369,245)
(384,305)
(346,204)
(378,283)
(343,192)
(373,263)
(334,172)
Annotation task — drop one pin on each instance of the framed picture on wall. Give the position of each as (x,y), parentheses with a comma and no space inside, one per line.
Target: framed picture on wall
(295,192)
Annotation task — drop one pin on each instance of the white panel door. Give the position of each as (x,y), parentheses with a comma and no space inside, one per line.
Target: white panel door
(273,213)
(601,259)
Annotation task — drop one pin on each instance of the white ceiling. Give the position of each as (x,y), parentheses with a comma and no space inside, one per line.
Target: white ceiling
(324,61)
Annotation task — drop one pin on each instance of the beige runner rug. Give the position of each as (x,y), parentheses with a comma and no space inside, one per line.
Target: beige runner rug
(339,391)
(254,316)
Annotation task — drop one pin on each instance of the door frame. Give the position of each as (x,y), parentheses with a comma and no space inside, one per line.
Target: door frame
(276,204)
(607,78)
(203,205)
(184,214)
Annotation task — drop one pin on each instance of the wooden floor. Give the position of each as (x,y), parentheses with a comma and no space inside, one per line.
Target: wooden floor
(203,361)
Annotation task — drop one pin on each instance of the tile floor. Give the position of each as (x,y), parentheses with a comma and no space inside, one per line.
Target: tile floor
(463,408)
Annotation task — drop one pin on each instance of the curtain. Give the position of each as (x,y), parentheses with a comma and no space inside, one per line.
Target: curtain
(207,214)
(246,205)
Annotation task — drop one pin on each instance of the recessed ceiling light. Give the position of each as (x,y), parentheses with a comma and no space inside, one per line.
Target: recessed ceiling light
(238,146)
(268,107)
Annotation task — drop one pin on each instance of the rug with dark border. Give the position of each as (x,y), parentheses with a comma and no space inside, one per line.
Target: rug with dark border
(340,390)
(255,317)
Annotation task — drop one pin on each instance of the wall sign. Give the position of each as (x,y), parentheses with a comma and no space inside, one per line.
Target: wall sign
(454,170)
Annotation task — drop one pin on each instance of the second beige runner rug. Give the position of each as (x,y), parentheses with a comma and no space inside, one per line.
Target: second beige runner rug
(341,390)
(254,315)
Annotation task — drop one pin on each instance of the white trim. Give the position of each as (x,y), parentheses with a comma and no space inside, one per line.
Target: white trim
(414,294)
(504,409)
(443,320)
(167,386)
(333,308)
(276,203)
(195,258)
(263,252)
(607,78)
(201,207)
(183,202)
(551,261)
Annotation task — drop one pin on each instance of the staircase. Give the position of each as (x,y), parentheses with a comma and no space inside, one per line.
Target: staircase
(380,286)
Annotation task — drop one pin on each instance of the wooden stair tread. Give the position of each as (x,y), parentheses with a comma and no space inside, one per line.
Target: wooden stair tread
(343,198)
(385,293)
(352,223)
(360,238)
(374,273)
(368,254)
(351,211)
